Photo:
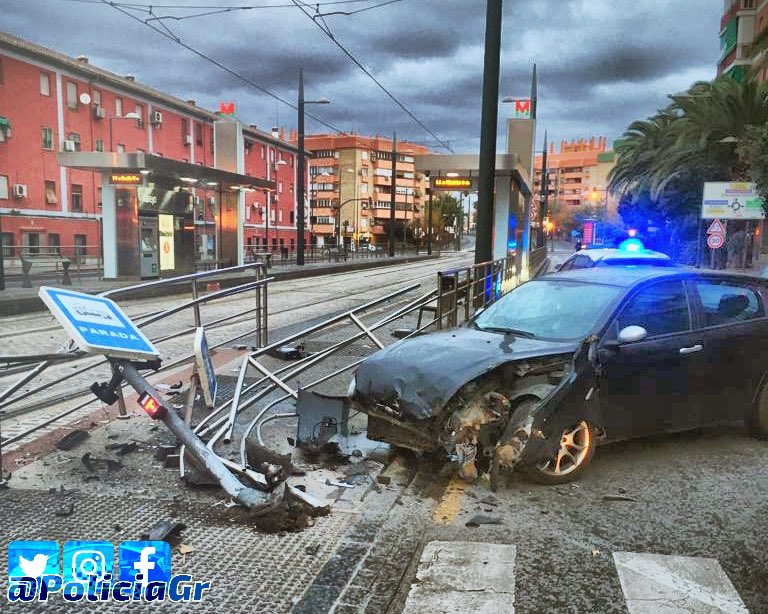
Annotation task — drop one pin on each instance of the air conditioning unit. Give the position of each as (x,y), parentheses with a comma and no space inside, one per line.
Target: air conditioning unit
(211,201)
(187,139)
(157,118)
(69,145)
(99,112)
(19,190)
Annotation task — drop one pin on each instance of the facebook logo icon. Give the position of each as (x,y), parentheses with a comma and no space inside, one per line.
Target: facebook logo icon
(151,559)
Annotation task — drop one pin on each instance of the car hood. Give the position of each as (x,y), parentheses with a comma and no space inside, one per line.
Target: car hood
(417,377)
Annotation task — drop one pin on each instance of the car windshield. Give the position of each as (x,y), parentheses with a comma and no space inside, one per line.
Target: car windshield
(549,309)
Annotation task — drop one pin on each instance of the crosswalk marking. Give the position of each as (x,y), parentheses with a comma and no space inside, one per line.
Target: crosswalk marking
(459,577)
(670,584)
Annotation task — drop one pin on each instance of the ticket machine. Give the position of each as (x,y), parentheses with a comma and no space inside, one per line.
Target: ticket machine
(148,247)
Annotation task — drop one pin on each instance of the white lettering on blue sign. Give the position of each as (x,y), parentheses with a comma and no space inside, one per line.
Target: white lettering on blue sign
(108,333)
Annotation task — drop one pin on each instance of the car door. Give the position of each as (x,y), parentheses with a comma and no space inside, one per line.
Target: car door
(735,339)
(645,386)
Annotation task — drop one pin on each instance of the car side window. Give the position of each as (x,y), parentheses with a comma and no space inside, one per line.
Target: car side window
(661,309)
(581,262)
(728,302)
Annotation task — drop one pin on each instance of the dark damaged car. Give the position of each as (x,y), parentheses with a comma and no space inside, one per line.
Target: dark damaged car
(573,359)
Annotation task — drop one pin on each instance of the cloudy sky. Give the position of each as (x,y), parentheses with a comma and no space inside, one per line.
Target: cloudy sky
(602,63)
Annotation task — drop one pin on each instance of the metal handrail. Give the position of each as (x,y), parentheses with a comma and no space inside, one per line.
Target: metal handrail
(189,277)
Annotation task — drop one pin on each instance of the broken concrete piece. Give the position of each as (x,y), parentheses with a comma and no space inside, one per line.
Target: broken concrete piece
(164,529)
(618,498)
(71,440)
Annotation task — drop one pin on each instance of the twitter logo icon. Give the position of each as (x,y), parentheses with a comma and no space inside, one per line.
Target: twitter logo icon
(34,559)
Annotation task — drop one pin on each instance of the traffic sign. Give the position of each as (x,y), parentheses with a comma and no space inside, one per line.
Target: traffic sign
(97,324)
(716,227)
(715,241)
(205,367)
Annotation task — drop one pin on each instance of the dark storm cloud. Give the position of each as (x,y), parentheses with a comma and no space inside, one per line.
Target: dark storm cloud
(600,65)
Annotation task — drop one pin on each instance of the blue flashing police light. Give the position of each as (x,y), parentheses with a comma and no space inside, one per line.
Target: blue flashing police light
(632,245)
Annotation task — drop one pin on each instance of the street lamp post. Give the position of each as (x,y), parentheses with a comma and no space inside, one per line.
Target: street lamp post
(301,168)
(130,115)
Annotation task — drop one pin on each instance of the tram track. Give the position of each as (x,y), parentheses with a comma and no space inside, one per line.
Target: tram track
(408,274)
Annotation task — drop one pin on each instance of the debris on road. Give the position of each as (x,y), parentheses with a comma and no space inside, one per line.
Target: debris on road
(65,511)
(476,521)
(122,448)
(91,462)
(618,498)
(164,530)
(72,440)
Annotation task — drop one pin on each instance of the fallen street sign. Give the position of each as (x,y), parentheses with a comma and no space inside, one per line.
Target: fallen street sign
(97,325)
(205,369)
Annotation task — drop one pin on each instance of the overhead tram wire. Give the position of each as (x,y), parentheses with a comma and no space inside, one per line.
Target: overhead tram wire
(327,31)
(169,35)
(155,5)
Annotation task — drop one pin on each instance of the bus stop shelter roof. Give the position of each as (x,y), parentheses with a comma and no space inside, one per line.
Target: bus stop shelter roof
(160,167)
(468,165)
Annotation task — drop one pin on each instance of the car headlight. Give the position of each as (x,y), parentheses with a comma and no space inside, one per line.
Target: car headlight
(351,389)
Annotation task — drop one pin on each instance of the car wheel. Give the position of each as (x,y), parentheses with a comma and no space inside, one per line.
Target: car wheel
(758,420)
(575,452)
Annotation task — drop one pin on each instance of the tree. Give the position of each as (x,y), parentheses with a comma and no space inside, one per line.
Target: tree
(711,133)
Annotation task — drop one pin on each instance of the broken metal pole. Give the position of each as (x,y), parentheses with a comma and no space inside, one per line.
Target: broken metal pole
(248,497)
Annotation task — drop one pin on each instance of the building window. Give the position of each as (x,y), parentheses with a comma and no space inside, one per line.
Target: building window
(50,193)
(99,145)
(291,217)
(6,239)
(80,249)
(54,244)
(324,153)
(748,4)
(47,135)
(3,187)
(31,241)
(119,107)
(271,155)
(98,197)
(280,216)
(363,155)
(120,148)
(139,110)
(199,134)
(184,129)
(72,95)
(77,197)
(97,97)
(280,187)
(75,138)
(45,84)
(263,152)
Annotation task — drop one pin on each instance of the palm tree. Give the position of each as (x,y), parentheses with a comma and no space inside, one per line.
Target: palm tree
(692,138)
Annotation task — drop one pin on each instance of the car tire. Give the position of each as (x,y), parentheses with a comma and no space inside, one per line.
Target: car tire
(757,421)
(577,447)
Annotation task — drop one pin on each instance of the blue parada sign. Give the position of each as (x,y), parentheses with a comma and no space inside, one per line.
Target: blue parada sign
(97,324)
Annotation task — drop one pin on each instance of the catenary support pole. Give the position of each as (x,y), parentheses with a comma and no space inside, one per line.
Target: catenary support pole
(300,178)
(488,127)
(544,205)
(392,201)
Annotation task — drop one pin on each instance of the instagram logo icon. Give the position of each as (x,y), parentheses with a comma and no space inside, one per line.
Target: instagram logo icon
(84,560)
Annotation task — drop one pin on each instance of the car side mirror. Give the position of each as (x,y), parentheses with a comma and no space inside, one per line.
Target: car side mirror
(632,334)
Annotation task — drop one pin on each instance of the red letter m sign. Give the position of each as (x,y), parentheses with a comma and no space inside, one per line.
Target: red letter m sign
(523,107)
(227,108)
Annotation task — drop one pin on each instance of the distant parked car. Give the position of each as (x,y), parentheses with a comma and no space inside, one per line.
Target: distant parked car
(630,254)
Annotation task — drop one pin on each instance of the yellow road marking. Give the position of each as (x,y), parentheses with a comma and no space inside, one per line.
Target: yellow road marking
(450,502)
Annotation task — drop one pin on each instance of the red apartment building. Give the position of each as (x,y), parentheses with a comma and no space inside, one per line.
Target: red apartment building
(51,103)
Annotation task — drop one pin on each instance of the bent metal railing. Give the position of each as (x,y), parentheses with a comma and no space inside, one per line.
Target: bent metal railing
(31,366)
(275,386)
